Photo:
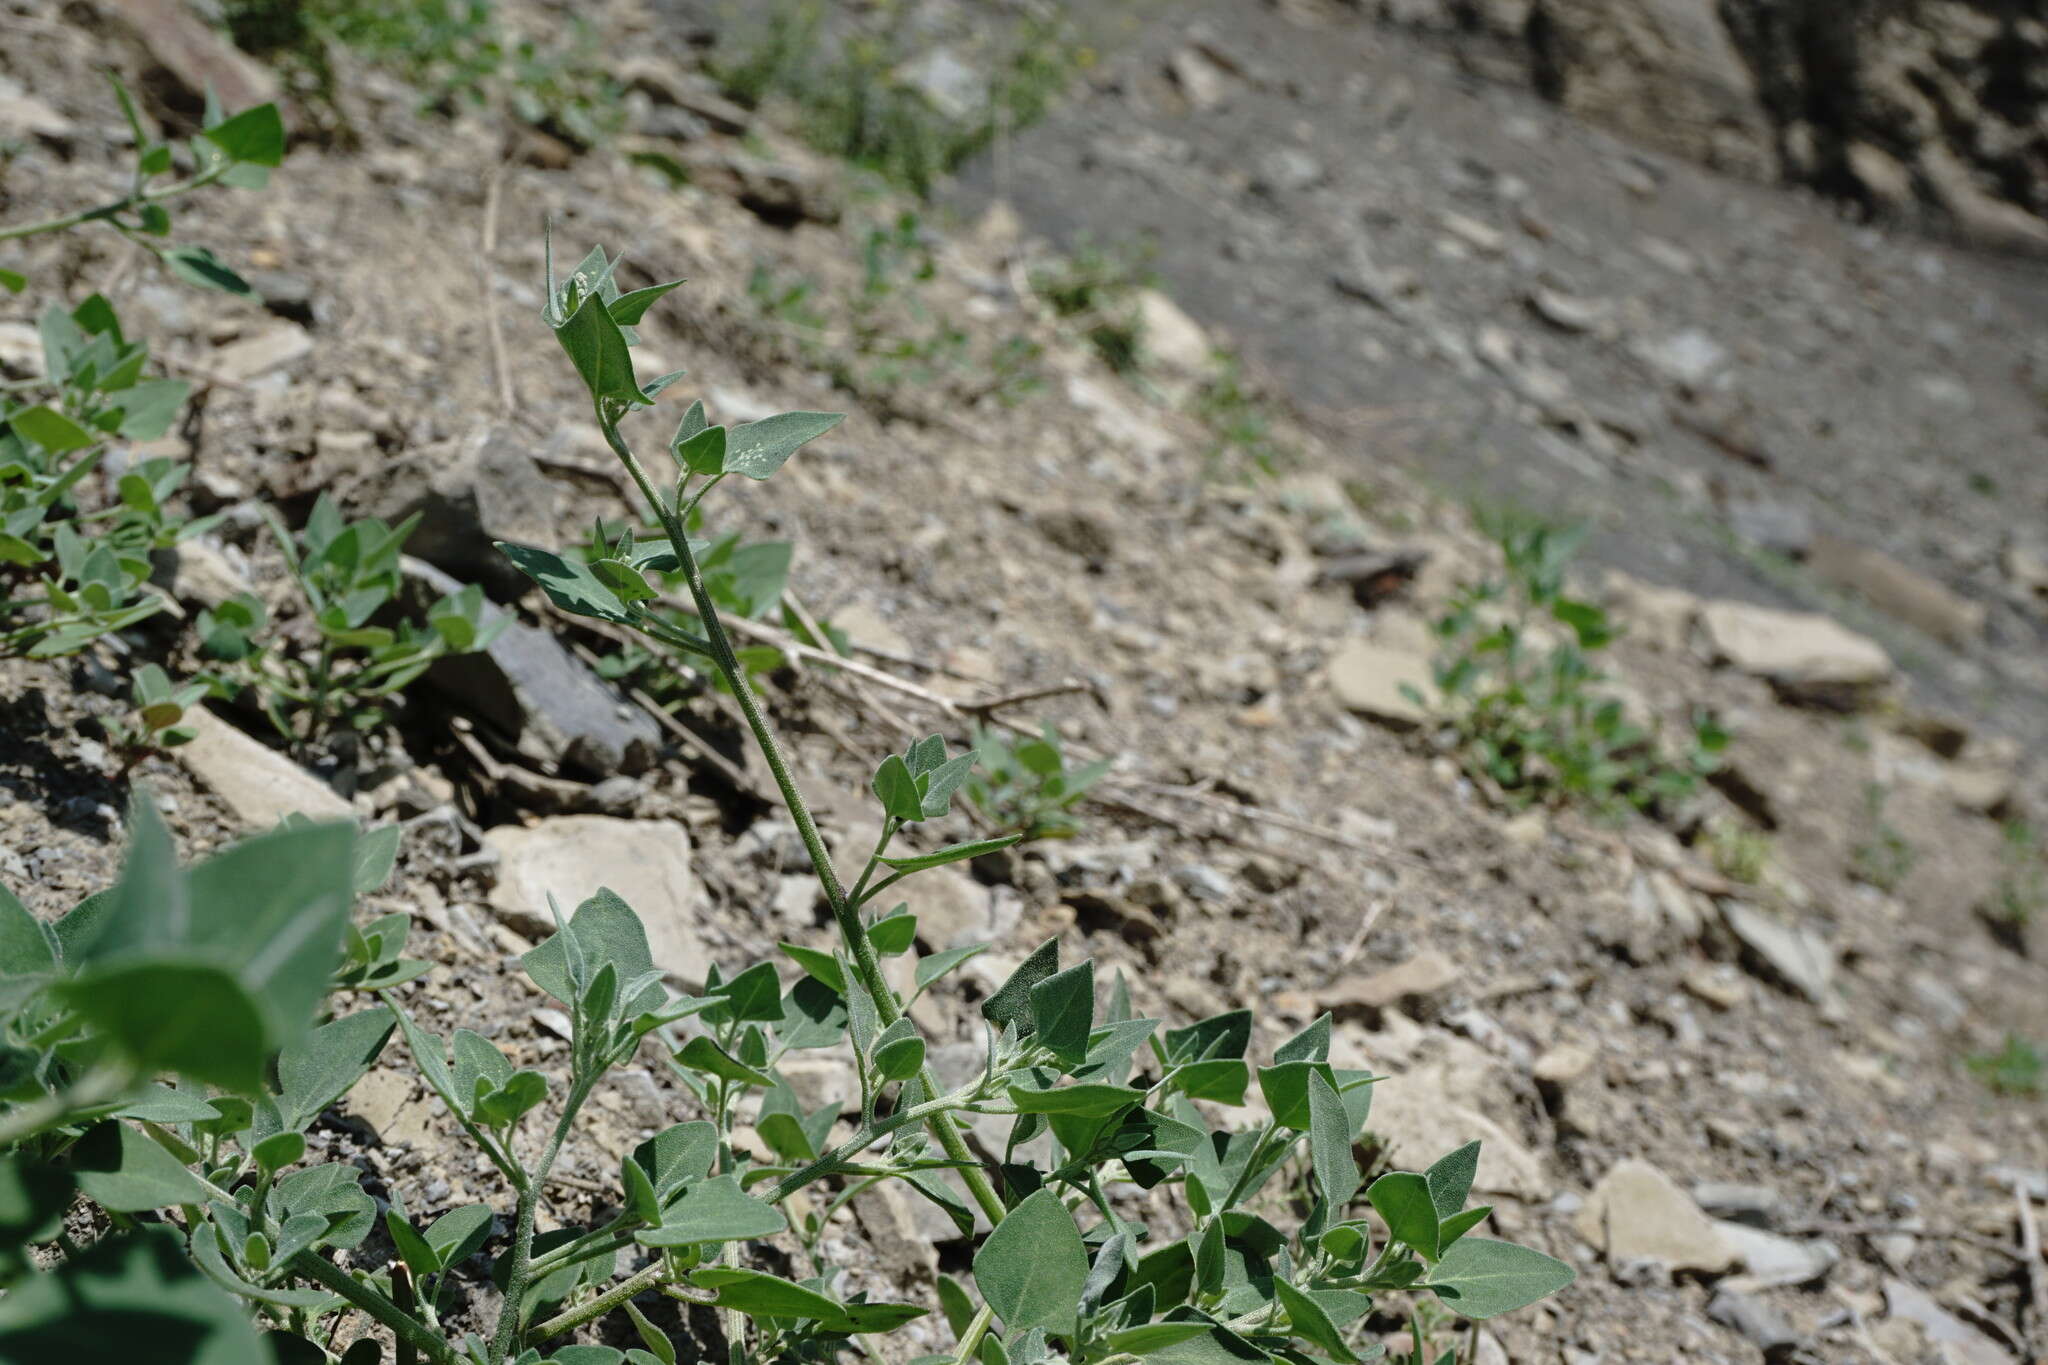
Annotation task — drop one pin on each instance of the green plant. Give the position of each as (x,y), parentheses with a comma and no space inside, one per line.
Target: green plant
(2022,892)
(1530,712)
(207,974)
(137,1040)
(1739,853)
(455,52)
(1025,785)
(1884,858)
(2016,1070)
(236,150)
(1096,289)
(853,100)
(348,574)
(1241,423)
(74,569)
(154,724)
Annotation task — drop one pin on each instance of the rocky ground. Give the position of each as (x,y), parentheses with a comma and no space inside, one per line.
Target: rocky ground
(1739,1106)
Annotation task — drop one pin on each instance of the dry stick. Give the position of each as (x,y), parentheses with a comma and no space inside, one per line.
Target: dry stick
(508,397)
(683,734)
(782,639)
(987,708)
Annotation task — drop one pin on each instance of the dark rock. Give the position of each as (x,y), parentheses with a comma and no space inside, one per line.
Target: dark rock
(484,490)
(1769,1330)
(283,293)
(540,698)
(779,193)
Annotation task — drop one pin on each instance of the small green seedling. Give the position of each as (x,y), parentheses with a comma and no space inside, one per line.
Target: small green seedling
(1529,710)
(157,721)
(1884,858)
(1026,785)
(348,574)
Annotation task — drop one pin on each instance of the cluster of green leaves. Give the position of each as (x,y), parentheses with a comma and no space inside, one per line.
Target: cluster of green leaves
(1884,857)
(1026,785)
(1529,712)
(2022,891)
(852,100)
(1095,288)
(74,572)
(73,569)
(238,150)
(456,53)
(2017,1070)
(1242,423)
(893,341)
(348,574)
(159,1057)
(1739,852)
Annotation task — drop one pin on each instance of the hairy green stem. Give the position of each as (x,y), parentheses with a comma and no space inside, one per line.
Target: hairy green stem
(844,912)
(96,1087)
(402,1324)
(970,1340)
(572,1318)
(518,1275)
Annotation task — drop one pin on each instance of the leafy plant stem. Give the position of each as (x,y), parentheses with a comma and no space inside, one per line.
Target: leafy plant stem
(403,1325)
(114,208)
(94,1088)
(844,912)
(532,1182)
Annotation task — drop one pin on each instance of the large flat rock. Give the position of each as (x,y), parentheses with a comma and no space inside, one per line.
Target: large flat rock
(647,862)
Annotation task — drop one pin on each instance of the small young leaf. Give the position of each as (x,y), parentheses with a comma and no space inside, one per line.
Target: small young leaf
(413,1249)
(1063,1012)
(1010,1006)
(1329,1139)
(278,1151)
(197,265)
(930,969)
(897,790)
(758,449)
(822,966)
(952,853)
(254,136)
(755,993)
(703,452)
(1312,1044)
(457,1234)
(1450,1179)
(1458,1224)
(1402,1199)
(894,932)
(703,1054)
(899,1051)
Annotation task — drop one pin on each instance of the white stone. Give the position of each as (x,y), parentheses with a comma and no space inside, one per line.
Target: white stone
(259,784)
(1370,679)
(646,862)
(1801,651)
(1637,1213)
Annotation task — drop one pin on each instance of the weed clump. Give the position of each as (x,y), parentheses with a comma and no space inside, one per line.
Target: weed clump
(1529,709)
